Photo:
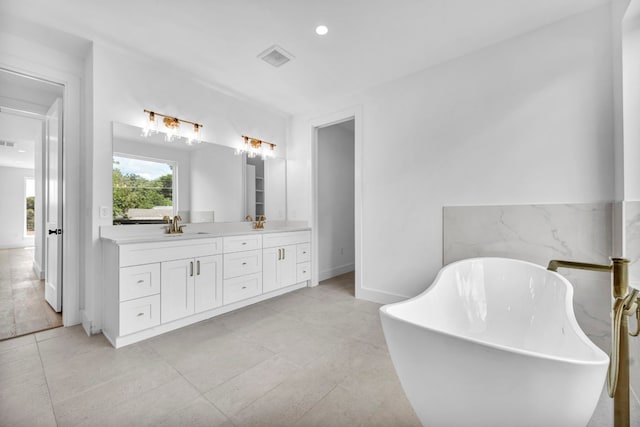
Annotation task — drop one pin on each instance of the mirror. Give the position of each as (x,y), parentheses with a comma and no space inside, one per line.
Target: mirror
(203,182)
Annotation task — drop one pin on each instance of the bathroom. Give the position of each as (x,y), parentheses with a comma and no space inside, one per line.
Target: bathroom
(528,128)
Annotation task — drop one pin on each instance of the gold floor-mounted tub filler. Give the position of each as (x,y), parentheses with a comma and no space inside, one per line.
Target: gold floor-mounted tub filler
(626,303)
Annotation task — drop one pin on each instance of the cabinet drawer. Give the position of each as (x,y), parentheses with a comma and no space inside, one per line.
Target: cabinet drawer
(146,253)
(303,272)
(303,252)
(240,288)
(272,240)
(242,263)
(242,243)
(139,281)
(139,314)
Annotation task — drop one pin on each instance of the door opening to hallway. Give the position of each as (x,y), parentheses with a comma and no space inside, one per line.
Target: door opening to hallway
(30,167)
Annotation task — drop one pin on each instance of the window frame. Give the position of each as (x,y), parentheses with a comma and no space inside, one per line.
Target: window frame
(174,181)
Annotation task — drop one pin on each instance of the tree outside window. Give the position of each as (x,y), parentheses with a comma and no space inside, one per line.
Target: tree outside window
(143,189)
(30,196)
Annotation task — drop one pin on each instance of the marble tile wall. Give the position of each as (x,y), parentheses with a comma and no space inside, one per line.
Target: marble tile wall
(632,241)
(539,233)
(632,252)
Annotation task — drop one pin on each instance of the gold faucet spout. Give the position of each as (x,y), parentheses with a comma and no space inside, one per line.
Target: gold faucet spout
(259,224)
(176,221)
(557,263)
(173,226)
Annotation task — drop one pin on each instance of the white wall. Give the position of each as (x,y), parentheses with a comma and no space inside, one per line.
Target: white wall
(123,85)
(336,231)
(525,121)
(12,214)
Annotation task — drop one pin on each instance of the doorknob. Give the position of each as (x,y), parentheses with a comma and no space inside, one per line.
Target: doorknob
(57,231)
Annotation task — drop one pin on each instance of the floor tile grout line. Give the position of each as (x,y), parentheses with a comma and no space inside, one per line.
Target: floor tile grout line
(46,380)
(200,393)
(316,404)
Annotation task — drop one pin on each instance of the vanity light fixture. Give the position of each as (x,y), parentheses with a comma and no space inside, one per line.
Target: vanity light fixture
(172,125)
(254,147)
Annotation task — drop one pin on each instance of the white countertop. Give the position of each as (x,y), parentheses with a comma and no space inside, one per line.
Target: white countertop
(127,234)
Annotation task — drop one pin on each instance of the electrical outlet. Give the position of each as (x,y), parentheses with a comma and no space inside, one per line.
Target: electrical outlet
(105,211)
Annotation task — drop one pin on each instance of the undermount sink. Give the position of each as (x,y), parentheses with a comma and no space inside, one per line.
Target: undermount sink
(185,234)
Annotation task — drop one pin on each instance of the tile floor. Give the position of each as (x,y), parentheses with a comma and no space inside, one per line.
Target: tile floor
(23,309)
(314,357)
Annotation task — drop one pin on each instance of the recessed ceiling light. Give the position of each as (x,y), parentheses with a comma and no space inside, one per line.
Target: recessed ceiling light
(21,151)
(321,30)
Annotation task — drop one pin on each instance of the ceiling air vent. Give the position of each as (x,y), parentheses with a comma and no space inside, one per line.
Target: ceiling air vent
(7,144)
(276,56)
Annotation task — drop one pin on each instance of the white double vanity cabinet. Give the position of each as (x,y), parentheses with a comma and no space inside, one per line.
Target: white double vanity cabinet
(157,284)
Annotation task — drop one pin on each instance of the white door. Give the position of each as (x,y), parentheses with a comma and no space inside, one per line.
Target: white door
(53,206)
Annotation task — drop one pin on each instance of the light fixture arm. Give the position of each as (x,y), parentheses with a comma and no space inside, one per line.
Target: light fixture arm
(152,115)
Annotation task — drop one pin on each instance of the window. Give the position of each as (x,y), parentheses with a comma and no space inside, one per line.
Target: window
(30,206)
(143,189)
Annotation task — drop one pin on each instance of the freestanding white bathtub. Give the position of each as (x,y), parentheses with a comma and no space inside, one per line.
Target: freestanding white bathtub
(494,342)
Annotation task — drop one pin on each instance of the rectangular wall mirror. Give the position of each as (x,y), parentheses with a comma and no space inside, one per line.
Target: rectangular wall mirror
(203,182)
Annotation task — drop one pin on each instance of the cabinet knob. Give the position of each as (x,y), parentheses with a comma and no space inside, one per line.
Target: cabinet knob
(244,263)
(304,271)
(244,243)
(244,287)
(139,314)
(140,281)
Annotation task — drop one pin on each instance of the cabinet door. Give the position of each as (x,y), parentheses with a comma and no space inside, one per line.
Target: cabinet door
(208,283)
(270,259)
(176,289)
(287,266)
(278,268)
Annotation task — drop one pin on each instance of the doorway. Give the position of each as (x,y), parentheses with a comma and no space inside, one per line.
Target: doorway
(336,204)
(30,167)
(337,200)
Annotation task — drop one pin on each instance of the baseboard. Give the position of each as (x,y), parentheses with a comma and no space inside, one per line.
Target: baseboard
(37,270)
(17,245)
(379,297)
(336,271)
(86,323)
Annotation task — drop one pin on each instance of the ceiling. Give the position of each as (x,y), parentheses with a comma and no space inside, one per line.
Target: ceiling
(21,133)
(370,42)
(21,96)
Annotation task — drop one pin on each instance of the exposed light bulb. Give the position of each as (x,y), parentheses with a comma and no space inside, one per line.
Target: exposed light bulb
(150,126)
(194,136)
